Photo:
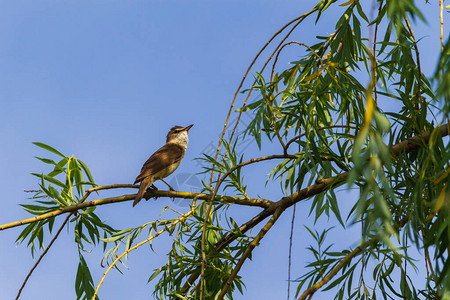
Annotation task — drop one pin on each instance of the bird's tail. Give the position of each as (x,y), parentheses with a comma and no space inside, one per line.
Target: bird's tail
(142,188)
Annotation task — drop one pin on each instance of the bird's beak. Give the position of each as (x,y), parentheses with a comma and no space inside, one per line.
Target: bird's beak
(188,127)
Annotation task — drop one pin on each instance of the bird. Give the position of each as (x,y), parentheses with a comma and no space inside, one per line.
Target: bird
(164,161)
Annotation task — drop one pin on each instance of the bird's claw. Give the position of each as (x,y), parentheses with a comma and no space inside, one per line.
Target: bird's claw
(152,188)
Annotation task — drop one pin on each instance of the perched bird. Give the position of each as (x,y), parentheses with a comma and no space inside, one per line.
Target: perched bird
(163,162)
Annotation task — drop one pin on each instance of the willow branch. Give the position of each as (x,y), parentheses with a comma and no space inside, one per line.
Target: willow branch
(249,250)
(441,18)
(275,127)
(42,255)
(290,43)
(149,194)
(284,203)
(406,146)
(290,253)
(248,162)
(88,192)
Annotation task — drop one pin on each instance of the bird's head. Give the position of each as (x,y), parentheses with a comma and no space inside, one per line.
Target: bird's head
(179,135)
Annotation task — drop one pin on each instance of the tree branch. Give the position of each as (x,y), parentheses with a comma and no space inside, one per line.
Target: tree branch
(149,194)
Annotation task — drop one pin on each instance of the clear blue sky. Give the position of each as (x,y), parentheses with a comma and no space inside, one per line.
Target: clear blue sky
(105,81)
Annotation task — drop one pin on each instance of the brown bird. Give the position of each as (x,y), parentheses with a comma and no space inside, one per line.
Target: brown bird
(163,162)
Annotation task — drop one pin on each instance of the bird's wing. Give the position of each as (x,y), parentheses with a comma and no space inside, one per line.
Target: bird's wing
(161,159)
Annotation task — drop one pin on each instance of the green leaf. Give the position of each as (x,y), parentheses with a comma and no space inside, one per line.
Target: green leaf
(46,160)
(49,148)
(154,275)
(50,179)
(86,171)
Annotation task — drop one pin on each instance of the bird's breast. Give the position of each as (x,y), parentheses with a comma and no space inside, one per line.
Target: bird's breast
(167,171)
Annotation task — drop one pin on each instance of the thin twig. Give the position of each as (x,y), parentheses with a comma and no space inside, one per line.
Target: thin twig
(251,66)
(287,44)
(275,127)
(405,274)
(43,254)
(374,64)
(299,20)
(290,252)
(441,18)
(248,162)
(299,185)
(428,264)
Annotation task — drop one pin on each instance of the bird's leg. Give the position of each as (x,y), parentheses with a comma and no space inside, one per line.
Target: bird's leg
(171,188)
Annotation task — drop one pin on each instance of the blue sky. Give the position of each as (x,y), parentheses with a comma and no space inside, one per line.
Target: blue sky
(105,81)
